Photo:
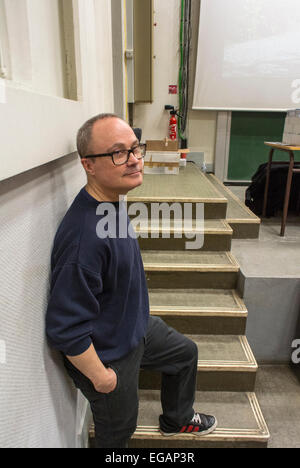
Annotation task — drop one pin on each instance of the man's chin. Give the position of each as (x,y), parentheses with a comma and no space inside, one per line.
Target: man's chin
(134,180)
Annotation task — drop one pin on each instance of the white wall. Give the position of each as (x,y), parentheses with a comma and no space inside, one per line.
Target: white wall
(39,408)
(152,118)
(34,107)
(202,127)
(46,47)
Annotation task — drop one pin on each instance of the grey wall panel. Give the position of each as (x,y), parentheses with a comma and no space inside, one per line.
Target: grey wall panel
(37,401)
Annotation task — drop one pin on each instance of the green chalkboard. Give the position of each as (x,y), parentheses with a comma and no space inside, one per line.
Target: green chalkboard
(249,131)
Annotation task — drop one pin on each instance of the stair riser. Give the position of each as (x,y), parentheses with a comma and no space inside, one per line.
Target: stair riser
(206,325)
(192,280)
(245,230)
(211,242)
(211,210)
(245,224)
(217,381)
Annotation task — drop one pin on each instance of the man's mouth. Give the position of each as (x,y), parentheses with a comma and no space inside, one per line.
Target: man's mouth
(132,173)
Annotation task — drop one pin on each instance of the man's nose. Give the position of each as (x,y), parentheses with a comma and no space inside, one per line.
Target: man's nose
(132,159)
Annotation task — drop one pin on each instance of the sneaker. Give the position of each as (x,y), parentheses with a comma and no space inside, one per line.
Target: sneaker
(200,424)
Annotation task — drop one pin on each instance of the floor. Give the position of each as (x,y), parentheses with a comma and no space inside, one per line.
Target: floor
(277,386)
(271,254)
(278,392)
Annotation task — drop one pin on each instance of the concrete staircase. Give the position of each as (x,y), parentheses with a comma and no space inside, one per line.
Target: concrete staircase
(195,292)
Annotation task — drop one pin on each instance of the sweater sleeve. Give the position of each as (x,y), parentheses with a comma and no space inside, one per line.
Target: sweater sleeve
(72,307)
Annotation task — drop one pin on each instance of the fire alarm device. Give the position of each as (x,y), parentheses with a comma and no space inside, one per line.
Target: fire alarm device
(172,89)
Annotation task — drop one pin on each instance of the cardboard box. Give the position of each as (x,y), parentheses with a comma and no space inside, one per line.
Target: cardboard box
(162,162)
(162,145)
(291,134)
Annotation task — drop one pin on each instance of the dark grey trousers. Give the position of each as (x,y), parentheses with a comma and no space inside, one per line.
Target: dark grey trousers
(115,414)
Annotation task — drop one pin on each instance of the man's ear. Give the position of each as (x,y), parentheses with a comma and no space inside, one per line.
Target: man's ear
(88,165)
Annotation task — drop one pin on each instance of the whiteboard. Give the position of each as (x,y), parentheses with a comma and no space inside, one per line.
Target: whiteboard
(248,55)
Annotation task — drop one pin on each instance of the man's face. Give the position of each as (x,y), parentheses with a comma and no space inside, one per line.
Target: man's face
(108,135)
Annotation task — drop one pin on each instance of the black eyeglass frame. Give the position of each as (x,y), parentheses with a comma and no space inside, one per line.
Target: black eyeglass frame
(143,147)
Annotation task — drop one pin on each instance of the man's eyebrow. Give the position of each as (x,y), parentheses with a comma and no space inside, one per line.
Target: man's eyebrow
(117,146)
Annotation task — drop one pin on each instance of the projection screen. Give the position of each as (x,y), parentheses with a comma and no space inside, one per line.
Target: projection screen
(248,55)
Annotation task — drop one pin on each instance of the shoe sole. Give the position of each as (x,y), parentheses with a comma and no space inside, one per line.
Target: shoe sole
(199,434)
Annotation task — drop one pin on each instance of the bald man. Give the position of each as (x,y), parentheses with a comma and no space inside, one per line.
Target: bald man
(98,311)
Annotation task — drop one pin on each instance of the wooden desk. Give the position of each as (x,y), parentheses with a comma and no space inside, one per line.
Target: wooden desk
(292,170)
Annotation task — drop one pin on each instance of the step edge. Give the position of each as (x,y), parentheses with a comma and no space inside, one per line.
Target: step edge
(258,413)
(247,365)
(172,308)
(234,197)
(261,433)
(226,366)
(222,200)
(204,312)
(222,434)
(217,435)
(223,229)
(247,349)
(209,231)
(231,266)
(243,221)
(218,365)
(195,267)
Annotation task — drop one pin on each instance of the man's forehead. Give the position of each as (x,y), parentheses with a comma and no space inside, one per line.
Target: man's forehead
(114,124)
(111,130)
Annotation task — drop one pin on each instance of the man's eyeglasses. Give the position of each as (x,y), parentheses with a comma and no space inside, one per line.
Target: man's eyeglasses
(122,156)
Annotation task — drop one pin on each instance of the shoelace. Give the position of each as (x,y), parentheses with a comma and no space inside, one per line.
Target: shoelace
(196,419)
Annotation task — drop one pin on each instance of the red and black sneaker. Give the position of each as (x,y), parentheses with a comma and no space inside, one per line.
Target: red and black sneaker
(200,424)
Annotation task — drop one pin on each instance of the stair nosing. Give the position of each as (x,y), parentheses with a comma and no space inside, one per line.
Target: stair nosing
(243,221)
(233,266)
(153,199)
(197,267)
(261,433)
(252,220)
(172,309)
(226,366)
(205,312)
(248,365)
(224,230)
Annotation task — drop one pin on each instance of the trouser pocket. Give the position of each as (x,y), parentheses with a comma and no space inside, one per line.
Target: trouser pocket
(123,401)
(115,414)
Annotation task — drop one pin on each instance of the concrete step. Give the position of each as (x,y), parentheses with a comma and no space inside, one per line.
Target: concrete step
(212,234)
(190,269)
(202,311)
(240,422)
(226,363)
(190,186)
(245,224)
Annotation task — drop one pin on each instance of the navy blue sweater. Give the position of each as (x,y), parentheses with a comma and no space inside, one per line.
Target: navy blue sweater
(98,290)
